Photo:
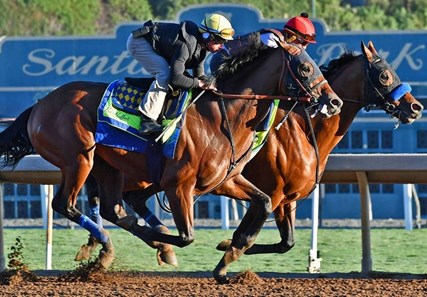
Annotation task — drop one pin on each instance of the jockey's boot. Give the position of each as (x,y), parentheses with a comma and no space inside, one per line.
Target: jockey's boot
(149,126)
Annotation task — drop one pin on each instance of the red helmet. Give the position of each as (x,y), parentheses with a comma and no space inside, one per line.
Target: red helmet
(302,27)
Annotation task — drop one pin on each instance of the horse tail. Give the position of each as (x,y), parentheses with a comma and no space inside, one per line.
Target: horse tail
(15,143)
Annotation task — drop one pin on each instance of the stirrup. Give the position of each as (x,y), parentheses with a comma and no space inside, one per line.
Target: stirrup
(149,127)
(172,91)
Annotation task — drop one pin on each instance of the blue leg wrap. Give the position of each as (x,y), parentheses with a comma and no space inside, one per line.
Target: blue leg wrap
(93,228)
(151,219)
(95,216)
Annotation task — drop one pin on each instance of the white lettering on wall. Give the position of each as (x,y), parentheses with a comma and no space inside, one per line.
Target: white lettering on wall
(41,62)
(408,53)
(40,57)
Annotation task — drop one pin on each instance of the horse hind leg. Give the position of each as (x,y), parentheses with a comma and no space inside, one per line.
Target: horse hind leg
(64,203)
(110,184)
(86,250)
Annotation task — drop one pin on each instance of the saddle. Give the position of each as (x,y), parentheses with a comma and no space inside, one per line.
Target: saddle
(171,108)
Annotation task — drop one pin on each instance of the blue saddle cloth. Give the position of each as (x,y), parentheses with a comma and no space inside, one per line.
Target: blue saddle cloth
(119,120)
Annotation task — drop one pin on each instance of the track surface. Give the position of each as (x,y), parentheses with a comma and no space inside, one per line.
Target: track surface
(129,284)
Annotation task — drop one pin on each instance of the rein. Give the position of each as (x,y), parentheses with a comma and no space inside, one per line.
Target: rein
(261,97)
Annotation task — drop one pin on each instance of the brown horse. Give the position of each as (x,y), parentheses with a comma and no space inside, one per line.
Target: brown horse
(292,161)
(212,149)
(288,166)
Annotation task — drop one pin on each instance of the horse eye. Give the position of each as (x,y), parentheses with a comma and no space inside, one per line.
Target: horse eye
(305,69)
(386,78)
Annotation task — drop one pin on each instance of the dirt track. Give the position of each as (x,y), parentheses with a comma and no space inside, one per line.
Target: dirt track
(131,284)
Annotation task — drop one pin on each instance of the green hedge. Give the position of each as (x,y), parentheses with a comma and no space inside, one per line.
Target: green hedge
(100,17)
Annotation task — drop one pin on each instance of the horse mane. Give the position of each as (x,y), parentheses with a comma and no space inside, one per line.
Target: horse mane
(336,64)
(247,52)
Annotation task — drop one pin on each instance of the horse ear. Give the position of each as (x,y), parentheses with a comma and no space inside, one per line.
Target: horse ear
(366,52)
(372,48)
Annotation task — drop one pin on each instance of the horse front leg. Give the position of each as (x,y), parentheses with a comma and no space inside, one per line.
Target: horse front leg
(284,215)
(251,224)
(180,197)
(137,201)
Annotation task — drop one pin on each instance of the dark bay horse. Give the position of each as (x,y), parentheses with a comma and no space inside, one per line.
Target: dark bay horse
(292,161)
(212,149)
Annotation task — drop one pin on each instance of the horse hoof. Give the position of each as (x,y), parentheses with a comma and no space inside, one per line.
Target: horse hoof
(165,252)
(84,253)
(86,250)
(106,254)
(105,259)
(167,257)
(223,246)
(162,229)
(221,279)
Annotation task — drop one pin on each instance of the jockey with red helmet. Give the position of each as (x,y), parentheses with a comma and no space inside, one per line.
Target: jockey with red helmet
(300,30)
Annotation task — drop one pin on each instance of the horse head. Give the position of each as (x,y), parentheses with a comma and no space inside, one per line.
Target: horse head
(383,85)
(306,79)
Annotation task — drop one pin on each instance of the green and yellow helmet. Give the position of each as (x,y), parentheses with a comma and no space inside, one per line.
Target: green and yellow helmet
(218,26)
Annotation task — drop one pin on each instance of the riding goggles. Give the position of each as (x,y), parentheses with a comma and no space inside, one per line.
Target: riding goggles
(226,34)
(291,38)
(310,38)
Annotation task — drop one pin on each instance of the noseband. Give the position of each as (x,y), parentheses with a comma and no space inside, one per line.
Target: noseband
(301,71)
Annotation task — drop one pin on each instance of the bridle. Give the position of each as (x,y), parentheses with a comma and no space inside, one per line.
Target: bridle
(379,83)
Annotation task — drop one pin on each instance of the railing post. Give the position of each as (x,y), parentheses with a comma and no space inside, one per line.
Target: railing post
(2,258)
(225,218)
(47,196)
(313,256)
(365,203)
(407,205)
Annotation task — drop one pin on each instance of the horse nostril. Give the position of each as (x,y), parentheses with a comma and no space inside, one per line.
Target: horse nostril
(336,102)
(416,107)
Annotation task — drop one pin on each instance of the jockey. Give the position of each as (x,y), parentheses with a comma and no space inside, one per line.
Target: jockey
(167,50)
(297,31)
(300,30)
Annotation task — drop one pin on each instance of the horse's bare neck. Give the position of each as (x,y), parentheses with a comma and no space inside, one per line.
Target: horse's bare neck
(348,85)
(259,77)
